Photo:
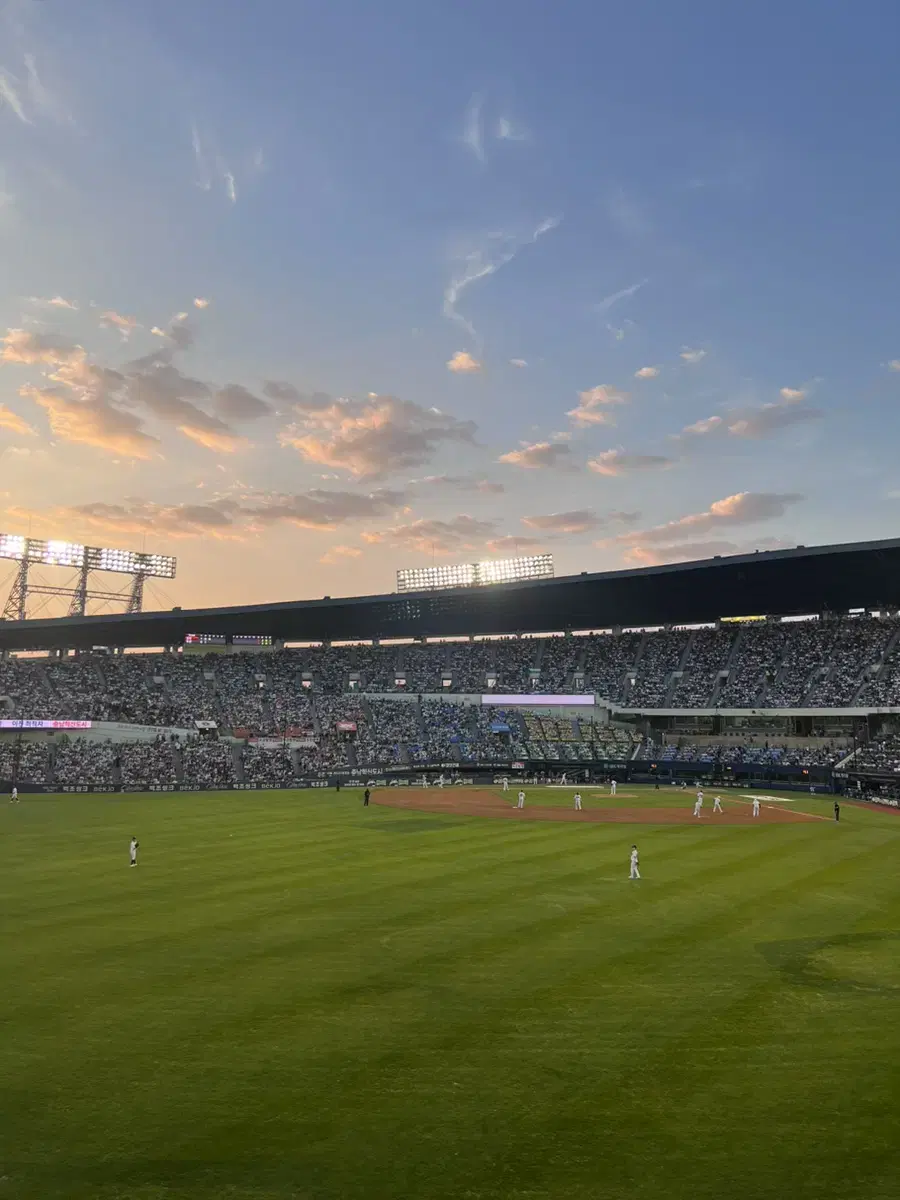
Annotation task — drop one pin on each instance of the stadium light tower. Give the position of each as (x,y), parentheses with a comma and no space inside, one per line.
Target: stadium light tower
(31,552)
(479,574)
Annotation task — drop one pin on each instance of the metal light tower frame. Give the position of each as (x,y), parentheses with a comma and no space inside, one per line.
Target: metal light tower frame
(29,552)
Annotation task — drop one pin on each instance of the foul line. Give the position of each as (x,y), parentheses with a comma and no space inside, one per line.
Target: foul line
(775,808)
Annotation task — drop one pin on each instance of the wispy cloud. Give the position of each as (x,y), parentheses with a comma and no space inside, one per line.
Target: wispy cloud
(462,483)
(628,215)
(338,554)
(497,250)
(53,302)
(617,462)
(10,98)
(539,456)
(204,176)
(576,521)
(646,373)
(752,422)
(743,508)
(92,421)
(113,320)
(518,362)
(473,128)
(509,131)
(372,437)
(693,356)
(201,302)
(13,423)
(594,405)
(431,536)
(512,543)
(462,363)
(210,166)
(894,364)
(655,556)
(609,302)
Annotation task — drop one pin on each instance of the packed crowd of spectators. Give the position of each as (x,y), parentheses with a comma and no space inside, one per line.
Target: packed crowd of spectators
(28,760)
(733,754)
(83,762)
(879,755)
(208,764)
(147,764)
(267,767)
(809,663)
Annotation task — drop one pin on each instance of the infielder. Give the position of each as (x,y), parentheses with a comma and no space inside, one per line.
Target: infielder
(635,872)
(717,804)
(521,801)
(698,804)
(505,784)
(612,788)
(756,806)
(578,801)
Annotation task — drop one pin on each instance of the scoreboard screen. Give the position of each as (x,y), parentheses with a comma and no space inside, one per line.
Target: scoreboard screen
(251,639)
(204,639)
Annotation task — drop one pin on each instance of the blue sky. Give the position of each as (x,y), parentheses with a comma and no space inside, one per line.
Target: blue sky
(641,259)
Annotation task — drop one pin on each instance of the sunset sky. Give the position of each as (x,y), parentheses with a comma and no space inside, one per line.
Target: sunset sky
(306,292)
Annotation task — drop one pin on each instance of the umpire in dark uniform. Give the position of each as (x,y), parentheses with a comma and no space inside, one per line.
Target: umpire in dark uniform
(366,795)
(837,811)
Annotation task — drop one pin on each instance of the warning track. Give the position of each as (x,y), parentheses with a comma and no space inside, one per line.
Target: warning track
(478,802)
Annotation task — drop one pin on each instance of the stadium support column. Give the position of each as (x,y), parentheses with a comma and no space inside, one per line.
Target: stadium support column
(78,605)
(136,598)
(17,600)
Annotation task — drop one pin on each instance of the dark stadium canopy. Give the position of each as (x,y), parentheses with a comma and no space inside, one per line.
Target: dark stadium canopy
(787,582)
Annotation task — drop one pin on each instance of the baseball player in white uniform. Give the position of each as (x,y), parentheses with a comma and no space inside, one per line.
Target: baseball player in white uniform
(612,788)
(505,784)
(520,803)
(698,804)
(756,806)
(578,801)
(132,851)
(635,871)
(717,804)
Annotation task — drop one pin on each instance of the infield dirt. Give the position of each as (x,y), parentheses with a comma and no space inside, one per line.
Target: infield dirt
(476,802)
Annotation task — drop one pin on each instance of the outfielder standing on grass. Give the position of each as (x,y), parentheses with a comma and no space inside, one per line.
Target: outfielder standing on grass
(132,850)
(635,870)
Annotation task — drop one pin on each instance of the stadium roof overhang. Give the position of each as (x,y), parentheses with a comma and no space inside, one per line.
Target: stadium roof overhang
(788,582)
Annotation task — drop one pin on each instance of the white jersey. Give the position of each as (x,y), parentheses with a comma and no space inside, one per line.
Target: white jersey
(634,858)
(700,799)
(15,793)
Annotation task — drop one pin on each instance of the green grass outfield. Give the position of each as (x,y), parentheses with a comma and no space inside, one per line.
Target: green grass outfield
(293,996)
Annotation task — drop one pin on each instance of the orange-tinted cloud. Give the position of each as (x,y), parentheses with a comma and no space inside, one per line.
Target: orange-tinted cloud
(539,456)
(374,437)
(463,363)
(617,462)
(434,536)
(93,422)
(14,423)
(743,508)
(594,405)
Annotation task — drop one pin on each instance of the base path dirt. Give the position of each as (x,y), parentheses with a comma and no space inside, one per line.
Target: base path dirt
(475,802)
